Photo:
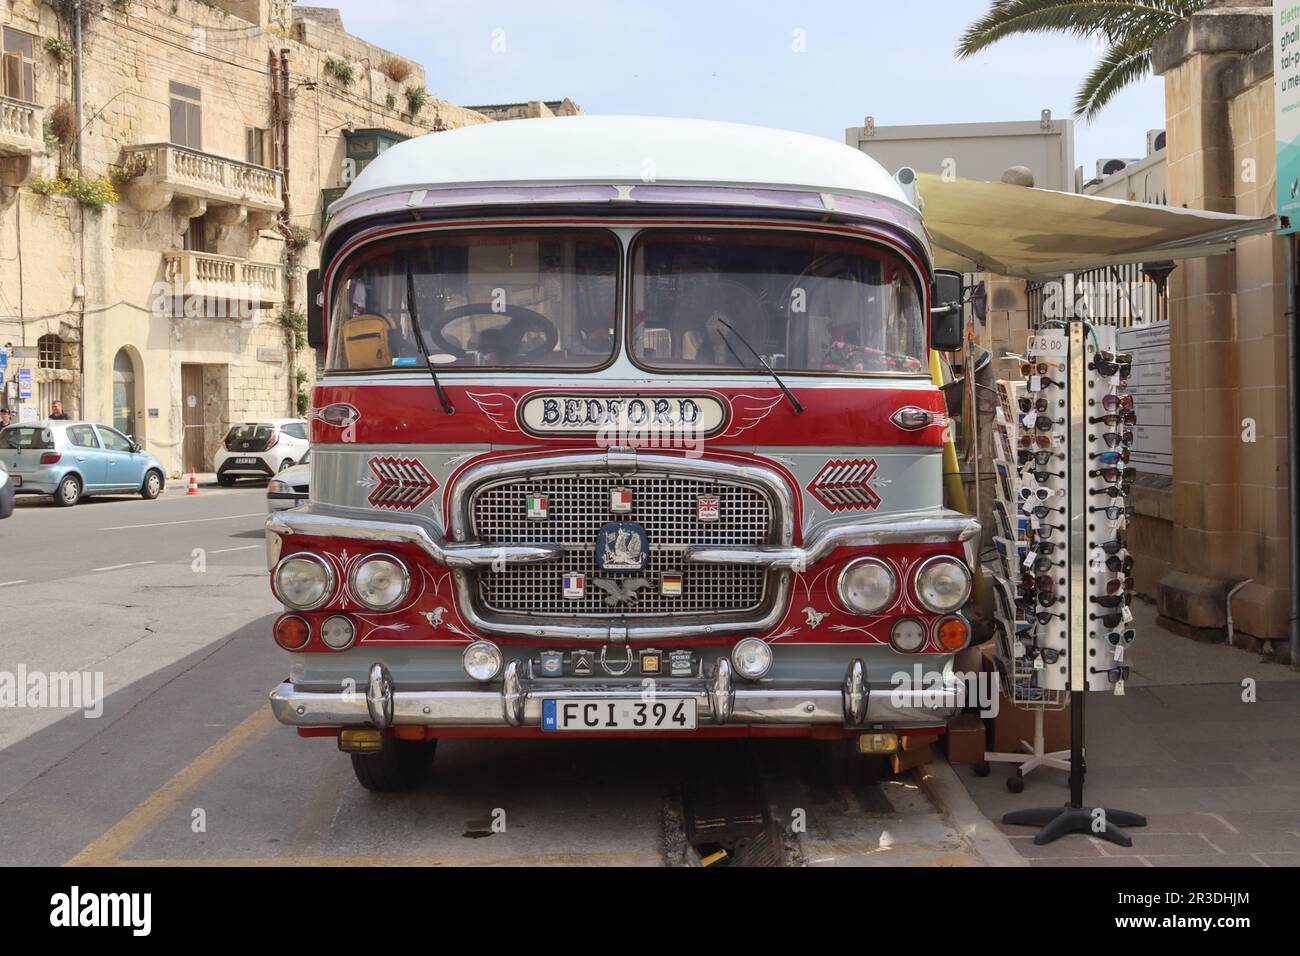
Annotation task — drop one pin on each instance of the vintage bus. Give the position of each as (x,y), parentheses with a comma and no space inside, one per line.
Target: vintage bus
(626,427)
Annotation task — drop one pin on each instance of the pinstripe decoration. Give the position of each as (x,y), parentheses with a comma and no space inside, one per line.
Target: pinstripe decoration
(845,485)
(403,483)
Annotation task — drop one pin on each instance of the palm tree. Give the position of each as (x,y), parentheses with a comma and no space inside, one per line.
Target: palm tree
(1127,29)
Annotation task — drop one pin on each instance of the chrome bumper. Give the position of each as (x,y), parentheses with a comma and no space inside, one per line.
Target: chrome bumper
(517,702)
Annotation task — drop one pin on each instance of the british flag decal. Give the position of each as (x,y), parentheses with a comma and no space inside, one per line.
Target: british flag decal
(845,485)
(401,483)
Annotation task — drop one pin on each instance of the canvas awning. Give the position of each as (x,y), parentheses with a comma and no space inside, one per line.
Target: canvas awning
(1036,233)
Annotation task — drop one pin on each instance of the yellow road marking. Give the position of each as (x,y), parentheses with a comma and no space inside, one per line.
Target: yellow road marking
(107,849)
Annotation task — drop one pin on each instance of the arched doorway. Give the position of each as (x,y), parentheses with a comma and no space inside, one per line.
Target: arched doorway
(124,392)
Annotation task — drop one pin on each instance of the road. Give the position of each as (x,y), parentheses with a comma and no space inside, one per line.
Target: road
(183,764)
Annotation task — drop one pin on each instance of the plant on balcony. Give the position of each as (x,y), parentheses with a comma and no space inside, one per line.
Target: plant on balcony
(59,48)
(95,192)
(341,70)
(62,123)
(135,167)
(396,69)
(416,97)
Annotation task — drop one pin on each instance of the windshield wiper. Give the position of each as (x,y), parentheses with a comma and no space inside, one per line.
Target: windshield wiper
(447,406)
(794,402)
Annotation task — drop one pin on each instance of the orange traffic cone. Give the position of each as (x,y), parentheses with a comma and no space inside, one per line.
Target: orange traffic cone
(194,484)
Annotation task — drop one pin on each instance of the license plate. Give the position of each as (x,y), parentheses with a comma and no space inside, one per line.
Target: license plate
(245,461)
(624,713)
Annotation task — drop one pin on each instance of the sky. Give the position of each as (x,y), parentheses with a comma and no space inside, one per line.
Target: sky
(739,61)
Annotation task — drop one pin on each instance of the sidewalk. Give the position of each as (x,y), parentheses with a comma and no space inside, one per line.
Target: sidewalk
(1218,778)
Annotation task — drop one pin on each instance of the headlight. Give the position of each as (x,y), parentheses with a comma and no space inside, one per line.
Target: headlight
(942,584)
(277,485)
(752,657)
(482,660)
(907,635)
(380,582)
(867,586)
(338,632)
(304,581)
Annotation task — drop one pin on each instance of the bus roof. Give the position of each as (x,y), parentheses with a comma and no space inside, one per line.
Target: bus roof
(623,149)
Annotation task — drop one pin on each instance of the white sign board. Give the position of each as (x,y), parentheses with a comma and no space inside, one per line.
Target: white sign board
(1286,108)
(1152,451)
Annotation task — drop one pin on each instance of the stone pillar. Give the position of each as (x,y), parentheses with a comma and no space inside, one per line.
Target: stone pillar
(1227,360)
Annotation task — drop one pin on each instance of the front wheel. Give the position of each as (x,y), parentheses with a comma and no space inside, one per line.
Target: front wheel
(285,465)
(399,765)
(69,492)
(152,486)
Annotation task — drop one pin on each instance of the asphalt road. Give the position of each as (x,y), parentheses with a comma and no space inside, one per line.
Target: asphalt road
(182,764)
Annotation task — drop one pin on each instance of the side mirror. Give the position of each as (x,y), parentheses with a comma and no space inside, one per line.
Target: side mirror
(315,310)
(946,326)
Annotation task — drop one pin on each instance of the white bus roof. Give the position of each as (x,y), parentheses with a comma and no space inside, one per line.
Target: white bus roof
(624,149)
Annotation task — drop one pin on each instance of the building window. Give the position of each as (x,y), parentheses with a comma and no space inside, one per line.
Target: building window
(196,235)
(258,146)
(49,351)
(187,116)
(124,392)
(19,68)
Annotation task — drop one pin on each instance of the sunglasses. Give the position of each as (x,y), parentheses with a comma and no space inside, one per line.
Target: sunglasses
(1117,403)
(1045,617)
(1044,531)
(1115,419)
(1127,637)
(1110,457)
(1111,364)
(1041,511)
(1042,476)
(1042,441)
(1114,491)
(1024,457)
(1042,493)
(1113,674)
(1112,547)
(1114,474)
(1119,565)
(1037,368)
(1119,584)
(1110,600)
(1114,512)
(1033,405)
(1045,382)
(1045,424)
(1114,439)
(1046,547)
(1042,582)
(1050,655)
(1107,620)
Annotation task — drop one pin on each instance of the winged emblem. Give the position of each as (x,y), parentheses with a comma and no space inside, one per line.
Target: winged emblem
(498,406)
(620,592)
(747,411)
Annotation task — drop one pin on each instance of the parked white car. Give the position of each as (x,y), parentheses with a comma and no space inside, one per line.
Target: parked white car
(261,449)
(290,487)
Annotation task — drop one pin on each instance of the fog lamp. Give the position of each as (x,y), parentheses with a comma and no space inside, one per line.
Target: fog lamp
(360,740)
(482,660)
(878,743)
(752,657)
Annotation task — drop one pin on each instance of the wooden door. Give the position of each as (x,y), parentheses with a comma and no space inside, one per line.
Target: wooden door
(192,406)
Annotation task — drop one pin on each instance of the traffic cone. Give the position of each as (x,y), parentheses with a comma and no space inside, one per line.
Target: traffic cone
(194,484)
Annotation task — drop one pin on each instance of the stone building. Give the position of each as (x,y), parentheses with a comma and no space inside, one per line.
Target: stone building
(150,266)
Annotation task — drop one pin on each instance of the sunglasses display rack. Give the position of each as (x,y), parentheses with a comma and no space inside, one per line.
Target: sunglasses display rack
(1087,403)
(1110,420)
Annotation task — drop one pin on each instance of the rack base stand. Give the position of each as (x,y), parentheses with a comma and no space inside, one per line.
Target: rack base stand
(1057,822)
(1034,755)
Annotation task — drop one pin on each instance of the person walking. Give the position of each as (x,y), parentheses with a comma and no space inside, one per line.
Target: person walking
(57,413)
(5,417)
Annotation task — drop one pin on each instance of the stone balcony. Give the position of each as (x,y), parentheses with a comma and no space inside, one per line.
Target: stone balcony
(191,182)
(22,136)
(223,279)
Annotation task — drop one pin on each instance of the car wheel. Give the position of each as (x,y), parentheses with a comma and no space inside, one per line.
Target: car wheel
(152,486)
(287,463)
(69,491)
(399,765)
(226,481)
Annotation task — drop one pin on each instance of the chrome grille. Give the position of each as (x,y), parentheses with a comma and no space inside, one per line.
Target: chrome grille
(665,505)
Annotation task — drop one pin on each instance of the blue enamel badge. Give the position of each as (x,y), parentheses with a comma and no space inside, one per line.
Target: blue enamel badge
(622,546)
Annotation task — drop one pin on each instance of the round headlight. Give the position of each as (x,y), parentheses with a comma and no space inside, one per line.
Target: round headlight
(942,584)
(303,581)
(907,635)
(482,660)
(380,582)
(752,657)
(338,632)
(867,586)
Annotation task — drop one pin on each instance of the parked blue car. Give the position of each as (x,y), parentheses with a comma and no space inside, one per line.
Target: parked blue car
(69,460)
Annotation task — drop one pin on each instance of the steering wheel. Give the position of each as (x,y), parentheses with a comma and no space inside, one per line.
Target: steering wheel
(522,321)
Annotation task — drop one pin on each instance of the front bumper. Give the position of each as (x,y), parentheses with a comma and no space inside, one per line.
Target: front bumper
(517,702)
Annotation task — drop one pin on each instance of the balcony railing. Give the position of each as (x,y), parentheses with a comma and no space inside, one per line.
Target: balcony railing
(21,131)
(223,278)
(159,172)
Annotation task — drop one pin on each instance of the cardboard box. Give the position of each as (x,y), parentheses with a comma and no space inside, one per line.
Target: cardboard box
(966,739)
(1012,725)
(906,760)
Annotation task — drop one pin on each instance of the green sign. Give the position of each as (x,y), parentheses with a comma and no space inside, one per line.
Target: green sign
(1286,100)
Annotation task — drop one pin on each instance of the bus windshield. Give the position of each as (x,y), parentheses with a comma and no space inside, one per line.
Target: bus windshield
(702,300)
(501,299)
